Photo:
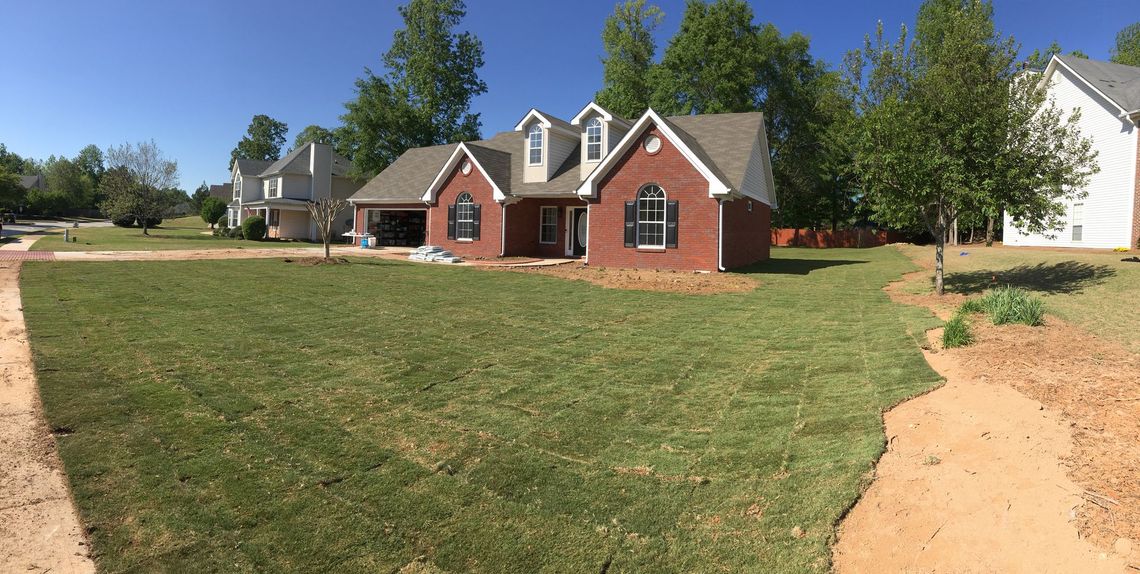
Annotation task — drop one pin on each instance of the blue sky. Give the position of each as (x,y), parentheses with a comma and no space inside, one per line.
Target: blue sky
(191,74)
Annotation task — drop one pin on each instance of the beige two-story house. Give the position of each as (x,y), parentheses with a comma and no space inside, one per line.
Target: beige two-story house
(280,190)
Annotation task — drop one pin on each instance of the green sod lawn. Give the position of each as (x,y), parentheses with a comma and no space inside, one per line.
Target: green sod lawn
(1095,290)
(181,233)
(263,416)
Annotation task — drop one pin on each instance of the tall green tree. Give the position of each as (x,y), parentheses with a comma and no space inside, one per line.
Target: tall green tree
(200,194)
(66,186)
(425,96)
(1127,48)
(314,133)
(710,64)
(12,192)
(90,160)
(1038,59)
(263,140)
(627,39)
(948,127)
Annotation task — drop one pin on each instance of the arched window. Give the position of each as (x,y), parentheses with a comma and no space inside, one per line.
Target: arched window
(535,139)
(594,139)
(464,216)
(651,217)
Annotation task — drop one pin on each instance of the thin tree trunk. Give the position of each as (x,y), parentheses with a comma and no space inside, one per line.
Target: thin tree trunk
(326,248)
(989,232)
(939,249)
(972,229)
(145,228)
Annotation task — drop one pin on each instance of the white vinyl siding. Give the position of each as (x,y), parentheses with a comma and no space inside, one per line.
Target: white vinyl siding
(559,147)
(1106,212)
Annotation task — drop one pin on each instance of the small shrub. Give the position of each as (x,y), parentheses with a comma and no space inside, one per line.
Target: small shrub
(235,233)
(223,220)
(972,306)
(123,221)
(254,228)
(1015,305)
(956,332)
(153,222)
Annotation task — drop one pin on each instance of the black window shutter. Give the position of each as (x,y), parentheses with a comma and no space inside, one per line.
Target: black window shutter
(476,215)
(671,224)
(451,222)
(631,224)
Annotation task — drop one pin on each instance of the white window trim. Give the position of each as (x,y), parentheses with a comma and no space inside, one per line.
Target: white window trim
(595,123)
(535,129)
(458,220)
(1077,219)
(237,187)
(664,217)
(542,211)
(274,188)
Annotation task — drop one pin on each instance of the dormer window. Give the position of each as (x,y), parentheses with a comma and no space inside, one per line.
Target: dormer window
(237,187)
(535,145)
(594,139)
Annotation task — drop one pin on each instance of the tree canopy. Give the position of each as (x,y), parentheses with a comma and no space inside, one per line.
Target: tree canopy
(627,39)
(1038,59)
(314,133)
(263,140)
(11,190)
(1127,47)
(948,127)
(424,98)
(136,181)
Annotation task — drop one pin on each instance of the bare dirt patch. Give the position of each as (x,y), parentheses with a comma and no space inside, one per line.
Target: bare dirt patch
(647,279)
(1036,434)
(39,526)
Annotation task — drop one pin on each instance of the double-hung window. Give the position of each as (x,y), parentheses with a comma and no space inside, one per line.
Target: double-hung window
(548,225)
(464,217)
(237,188)
(651,217)
(594,140)
(272,188)
(535,145)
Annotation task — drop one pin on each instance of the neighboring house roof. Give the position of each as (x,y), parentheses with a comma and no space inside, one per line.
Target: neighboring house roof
(298,161)
(1117,82)
(224,192)
(32,181)
(251,167)
(722,143)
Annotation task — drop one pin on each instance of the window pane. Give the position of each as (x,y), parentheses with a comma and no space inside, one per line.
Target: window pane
(651,217)
(548,226)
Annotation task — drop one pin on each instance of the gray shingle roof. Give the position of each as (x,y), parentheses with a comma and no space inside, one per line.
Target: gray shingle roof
(31,181)
(408,177)
(224,192)
(722,141)
(252,167)
(1119,82)
(555,121)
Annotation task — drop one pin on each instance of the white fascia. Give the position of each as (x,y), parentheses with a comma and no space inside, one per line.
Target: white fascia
(589,188)
(604,113)
(460,151)
(546,123)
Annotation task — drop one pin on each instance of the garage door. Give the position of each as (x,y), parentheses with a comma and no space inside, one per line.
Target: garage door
(398,228)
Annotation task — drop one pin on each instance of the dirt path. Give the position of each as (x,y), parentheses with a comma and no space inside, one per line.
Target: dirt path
(1025,461)
(39,527)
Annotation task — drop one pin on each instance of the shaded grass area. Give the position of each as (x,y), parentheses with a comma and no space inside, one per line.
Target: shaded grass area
(1094,290)
(260,416)
(181,233)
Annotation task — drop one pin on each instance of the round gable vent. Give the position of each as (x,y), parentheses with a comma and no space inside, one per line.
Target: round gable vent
(652,144)
(465,167)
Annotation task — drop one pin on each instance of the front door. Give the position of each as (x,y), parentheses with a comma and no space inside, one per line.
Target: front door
(578,232)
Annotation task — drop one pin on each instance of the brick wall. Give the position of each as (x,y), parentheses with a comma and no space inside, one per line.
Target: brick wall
(523,227)
(697,213)
(490,238)
(1136,198)
(746,233)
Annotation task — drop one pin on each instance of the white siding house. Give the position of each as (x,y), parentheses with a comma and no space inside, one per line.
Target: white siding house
(1110,110)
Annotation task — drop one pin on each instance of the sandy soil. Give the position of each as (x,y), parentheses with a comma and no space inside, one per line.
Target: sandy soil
(648,279)
(39,527)
(1025,461)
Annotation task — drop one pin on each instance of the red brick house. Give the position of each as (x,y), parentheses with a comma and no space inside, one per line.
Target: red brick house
(685,192)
